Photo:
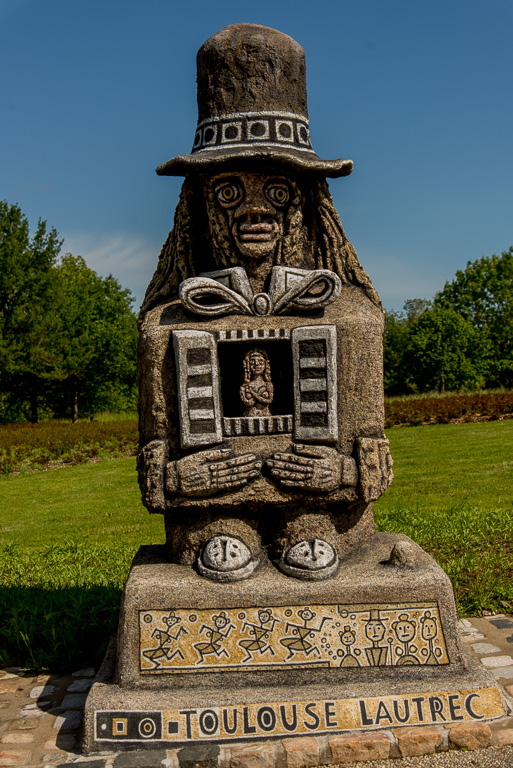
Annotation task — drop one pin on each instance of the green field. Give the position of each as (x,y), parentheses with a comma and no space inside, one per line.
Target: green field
(67,536)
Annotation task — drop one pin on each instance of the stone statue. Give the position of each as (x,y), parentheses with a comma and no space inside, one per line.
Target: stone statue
(257,391)
(258,254)
(274,609)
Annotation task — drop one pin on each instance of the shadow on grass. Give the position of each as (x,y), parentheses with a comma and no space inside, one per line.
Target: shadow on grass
(59,629)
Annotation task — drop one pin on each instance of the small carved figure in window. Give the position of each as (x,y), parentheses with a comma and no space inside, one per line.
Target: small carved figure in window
(257,391)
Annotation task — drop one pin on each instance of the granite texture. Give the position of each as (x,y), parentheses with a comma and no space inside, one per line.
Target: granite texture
(264,510)
(365,578)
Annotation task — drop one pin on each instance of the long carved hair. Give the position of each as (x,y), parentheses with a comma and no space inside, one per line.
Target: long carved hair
(248,376)
(313,239)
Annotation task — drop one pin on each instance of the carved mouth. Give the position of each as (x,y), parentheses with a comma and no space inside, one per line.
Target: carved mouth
(261,232)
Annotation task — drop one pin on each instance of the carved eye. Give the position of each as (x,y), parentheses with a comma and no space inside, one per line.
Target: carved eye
(228,193)
(278,193)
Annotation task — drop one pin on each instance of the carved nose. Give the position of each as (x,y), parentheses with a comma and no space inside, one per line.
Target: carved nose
(254,209)
(255,215)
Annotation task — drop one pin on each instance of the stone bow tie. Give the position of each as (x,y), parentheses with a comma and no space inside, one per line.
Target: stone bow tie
(228,291)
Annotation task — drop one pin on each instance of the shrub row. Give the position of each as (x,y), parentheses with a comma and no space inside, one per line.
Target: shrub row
(480,406)
(57,443)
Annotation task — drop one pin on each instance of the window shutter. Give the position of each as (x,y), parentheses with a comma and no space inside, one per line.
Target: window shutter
(314,355)
(198,388)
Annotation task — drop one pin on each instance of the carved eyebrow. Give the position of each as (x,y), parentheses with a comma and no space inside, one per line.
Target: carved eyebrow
(216,183)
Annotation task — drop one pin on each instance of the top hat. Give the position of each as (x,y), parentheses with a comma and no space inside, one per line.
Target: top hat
(374,616)
(252,106)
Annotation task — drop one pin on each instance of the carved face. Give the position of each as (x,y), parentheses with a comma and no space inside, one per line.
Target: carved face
(306,614)
(257,365)
(254,205)
(404,629)
(375,630)
(428,628)
(220,621)
(347,637)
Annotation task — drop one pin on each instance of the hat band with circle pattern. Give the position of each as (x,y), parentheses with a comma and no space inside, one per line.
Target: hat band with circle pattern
(245,129)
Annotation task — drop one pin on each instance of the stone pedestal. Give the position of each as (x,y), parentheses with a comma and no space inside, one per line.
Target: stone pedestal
(375,646)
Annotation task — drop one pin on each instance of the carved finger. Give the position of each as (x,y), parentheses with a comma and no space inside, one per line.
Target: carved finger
(290,466)
(285,474)
(314,451)
(291,484)
(246,458)
(228,479)
(297,469)
(216,455)
(238,471)
(290,457)
(233,484)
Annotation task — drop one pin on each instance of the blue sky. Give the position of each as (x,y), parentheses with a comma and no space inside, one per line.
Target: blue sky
(95,95)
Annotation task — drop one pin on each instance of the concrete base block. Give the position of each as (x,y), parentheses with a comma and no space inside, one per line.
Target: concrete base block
(375,647)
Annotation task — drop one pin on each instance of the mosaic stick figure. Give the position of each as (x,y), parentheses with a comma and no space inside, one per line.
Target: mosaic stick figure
(299,643)
(166,641)
(215,638)
(405,630)
(260,634)
(257,391)
(348,639)
(429,632)
(375,632)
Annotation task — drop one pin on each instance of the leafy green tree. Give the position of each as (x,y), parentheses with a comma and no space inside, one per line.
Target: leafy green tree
(395,341)
(27,320)
(483,295)
(95,342)
(67,336)
(445,352)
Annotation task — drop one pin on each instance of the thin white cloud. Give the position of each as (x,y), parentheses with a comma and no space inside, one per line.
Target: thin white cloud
(131,259)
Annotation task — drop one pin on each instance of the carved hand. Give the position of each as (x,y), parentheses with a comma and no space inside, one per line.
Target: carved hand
(208,472)
(310,468)
(263,395)
(246,395)
(374,465)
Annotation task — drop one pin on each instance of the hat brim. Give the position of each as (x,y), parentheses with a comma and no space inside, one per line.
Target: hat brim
(217,160)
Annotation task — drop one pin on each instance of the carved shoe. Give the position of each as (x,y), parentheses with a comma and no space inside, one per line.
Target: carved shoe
(226,558)
(310,559)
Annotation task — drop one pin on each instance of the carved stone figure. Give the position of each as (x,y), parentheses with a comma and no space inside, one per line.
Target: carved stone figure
(258,272)
(257,391)
(274,605)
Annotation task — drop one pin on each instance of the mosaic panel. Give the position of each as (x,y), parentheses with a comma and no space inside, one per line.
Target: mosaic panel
(281,637)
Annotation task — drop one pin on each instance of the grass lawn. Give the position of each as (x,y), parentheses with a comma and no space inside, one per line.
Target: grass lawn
(67,536)
(453,494)
(94,504)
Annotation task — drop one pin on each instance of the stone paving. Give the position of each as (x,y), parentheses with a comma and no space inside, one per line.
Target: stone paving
(41,716)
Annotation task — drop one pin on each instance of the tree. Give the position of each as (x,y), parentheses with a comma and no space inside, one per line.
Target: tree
(95,342)
(445,352)
(483,295)
(67,336)
(27,321)
(397,327)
